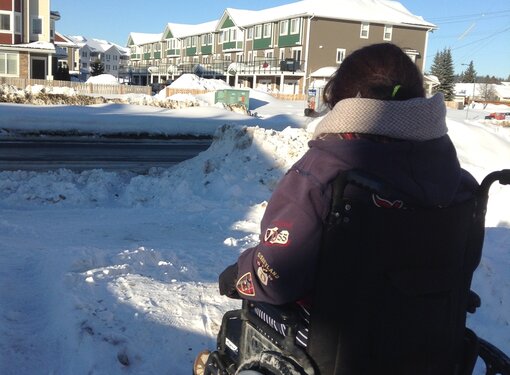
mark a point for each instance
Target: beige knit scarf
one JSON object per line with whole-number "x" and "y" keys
{"x": 417, "y": 119}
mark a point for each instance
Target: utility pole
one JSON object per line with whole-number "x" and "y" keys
{"x": 473, "y": 97}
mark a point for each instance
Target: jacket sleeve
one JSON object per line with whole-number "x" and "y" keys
{"x": 281, "y": 268}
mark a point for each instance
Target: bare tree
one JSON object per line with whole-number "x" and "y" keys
{"x": 488, "y": 92}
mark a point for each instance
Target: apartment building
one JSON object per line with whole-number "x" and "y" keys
{"x": 27, "y": 31}
{"x": 112, "y": 56}
{"x": 67, "y": 51}
{"x": 144, "y": 58}
{"x": 285, "y": 48}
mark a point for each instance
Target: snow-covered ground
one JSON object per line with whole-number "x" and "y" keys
{"x": 116, "y": 273}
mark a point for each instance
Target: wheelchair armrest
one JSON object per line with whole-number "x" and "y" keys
{"x": 473, "y": 302}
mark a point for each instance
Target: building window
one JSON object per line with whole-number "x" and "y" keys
{"x": 284, "y": 27}
{"x": 17, "y": 23}
{"x": 249, "y": 34}
{"x": 226, "y": 36}
{"x": 296, "y": 54}
{"x": 172, "y": 44}
{"x": 37, "y": 26}
{"x": 84, "y": 54}
{"x": 388, "y": 31}
{"x": 258, "y": 31}
{"x": 5, "y": 22}
{"x": 267, "y": 30}
{"x": 294, "y": 26}
{"x": 340, "y": 55}
{"x": 365, "y": 28}
{"x": 9, "y": 64}
{"x": 233, "y": 35}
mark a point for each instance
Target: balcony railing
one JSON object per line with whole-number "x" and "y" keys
{"x": 222, "y": 68}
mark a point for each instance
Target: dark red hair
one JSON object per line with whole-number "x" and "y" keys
{"x": 374, "y": 72}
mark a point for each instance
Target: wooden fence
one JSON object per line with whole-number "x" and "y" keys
{"x": 80, "y": 88}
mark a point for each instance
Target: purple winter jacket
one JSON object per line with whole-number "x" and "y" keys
{"x": 280, "y": 269}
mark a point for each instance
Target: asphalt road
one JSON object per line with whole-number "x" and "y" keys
{"x": 78, "y": 155}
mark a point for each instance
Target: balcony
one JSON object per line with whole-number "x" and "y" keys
{"x": 220, "y": 68}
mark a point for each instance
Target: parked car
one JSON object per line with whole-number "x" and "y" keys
{"x": 498, "y": 116}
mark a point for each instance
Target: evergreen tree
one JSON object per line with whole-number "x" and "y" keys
{"x": 469, "y": 75}
{"x": 442, "y": 68}
{"x": 97, "y": 68}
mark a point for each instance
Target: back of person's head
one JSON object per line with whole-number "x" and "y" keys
{"x": 379, "y": 71}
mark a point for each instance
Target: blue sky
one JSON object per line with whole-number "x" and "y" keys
{"x": 474, "y": 30}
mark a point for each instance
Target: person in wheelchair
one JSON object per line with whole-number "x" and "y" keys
{"x": 381, "y": 123}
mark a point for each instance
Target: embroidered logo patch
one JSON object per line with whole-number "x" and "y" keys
{"x": 245, "y": 285}
{"x": 384, "y": 203}
{"x": 262, "y": 275}
{"x": 269, "y": 272}
{"x": 276, "y": 236}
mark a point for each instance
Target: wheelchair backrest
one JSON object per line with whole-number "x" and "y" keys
{"x": 393, "y": 285}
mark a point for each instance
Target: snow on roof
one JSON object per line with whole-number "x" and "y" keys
{"x": 325, "y": 71}
{"x": 100, "y": 45}
{"x": 78, "y": 39}
{"x": 503, "y": 91}
{"x": 145, "y": 38}
{"x": 38, "y": 45}
{"x": 180, "y": 30}
{"x": 379, "y": 11}
{"x": 431, "y": 78}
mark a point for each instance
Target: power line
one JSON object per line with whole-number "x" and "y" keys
{"x": 483, "y": 39}
{"x": 467, "y": 17}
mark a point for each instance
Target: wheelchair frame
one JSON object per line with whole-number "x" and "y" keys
{"x": 251, "y": 342}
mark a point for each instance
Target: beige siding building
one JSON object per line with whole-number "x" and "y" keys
{"x": 284, "y": 49}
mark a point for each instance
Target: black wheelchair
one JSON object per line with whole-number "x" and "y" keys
{"x": 392, "y": 295}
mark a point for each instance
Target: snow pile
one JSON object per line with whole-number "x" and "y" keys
{"x": 45, "y": 95}
{"x": 192, "y": 81}
{"x": 250, "y": 152}
{"x": 104, "y": 79}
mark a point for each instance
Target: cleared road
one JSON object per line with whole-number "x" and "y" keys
{"x": 135, "y": 155}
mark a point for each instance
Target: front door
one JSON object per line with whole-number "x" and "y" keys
{"x": 38, "y": 69}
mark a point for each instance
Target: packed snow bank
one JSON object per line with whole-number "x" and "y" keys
{"x": 251, "y": 152}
